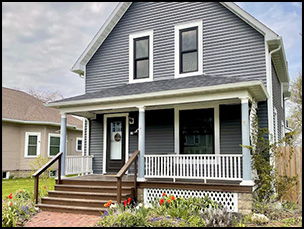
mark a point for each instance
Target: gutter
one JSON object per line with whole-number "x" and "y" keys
{"x": 38, "y": 123}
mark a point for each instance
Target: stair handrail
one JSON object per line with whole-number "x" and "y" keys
{"x": 42, "y": 169}
{"x": 121, "y": 173}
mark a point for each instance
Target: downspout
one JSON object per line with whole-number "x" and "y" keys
{"x": 272, "y": 159}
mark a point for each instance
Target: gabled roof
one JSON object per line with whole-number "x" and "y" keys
{"x": 20, "y": 107}
{"x": 270, "y": 36}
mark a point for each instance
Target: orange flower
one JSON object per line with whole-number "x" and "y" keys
{"x": 172, "y": 198}
{"x": 11, "y": 203}
{"x": 20, "y": 191}
{"x": 108, "y": 204}
{"x": 164, "y": 194}
{"x": 169, "y": 201}
{"x": 125, "y": 203}
{"x": 10, "y": 196}
{"x": 44, "y": 187}
{"x": 129, "y": 200}
{"x": 161, "y": 201}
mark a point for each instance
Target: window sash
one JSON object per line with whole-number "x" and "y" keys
{"x": 181, "y": 52}
{"x": 79, "y": 145}
{"x": 136, "y": 60}
{"x": 32, "y": 146}
{"x": 53, "y": 147}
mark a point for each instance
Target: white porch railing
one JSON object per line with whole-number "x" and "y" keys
{"x": 78, "y": 164}
{"x": 207, "y": 166}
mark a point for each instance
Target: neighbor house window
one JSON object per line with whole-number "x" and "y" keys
{"x": 141, "y": 57}
{"x": 32, "y": 144}
{"x": 188, "y": 49}
{"x": 54, "y": 144}
{"x": 78, "y": 144}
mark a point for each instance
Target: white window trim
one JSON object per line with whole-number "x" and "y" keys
{"x": 27, "y": 134}
{"x": 131, "y": 55}
{"x": 177, "y": 28}
{"x": 49, "y": 142}
{"x": 105, "y": 122}
{"x": 194, "y": 107}
{"x": 77, "y": 139}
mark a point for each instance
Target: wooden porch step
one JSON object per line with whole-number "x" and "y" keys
{"x": 75, "y": 202}
{"x": 86, "y": 195}
{"x": 95, "y": 182}
{"x": 71, "y": 209}
{"x": 90, "y": 188}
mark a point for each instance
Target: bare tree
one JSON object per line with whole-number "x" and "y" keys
{"x": 45, "y": 96}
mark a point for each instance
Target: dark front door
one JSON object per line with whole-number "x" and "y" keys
{"x": 115, "y": 144}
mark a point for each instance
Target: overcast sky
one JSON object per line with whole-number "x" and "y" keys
{"x": 42, "y": 40}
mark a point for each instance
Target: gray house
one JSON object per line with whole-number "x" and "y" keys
{"x": 179, "y": 82}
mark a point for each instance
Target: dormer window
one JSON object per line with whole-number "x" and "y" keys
{"x": 141, "y": 57}
{"x": 188, "y": 49}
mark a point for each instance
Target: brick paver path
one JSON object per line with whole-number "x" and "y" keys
{"x": 59, "y": 219}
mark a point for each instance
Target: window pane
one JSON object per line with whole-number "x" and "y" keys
{"x": 79, "y": 145}
{"x": 55, "y": 141}
{"x": 32, "y": 140}
{"x": 197, "y": 131}
{"x": 189, "y": 40}
{"x": 54, "y": 150}
{"x": 142, "y": 48}
{"x": 142, "y": 69}
{"x": 32, "y": 150}
{"x": 189, "y": 62}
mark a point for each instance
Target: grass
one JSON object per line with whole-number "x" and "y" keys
{"x": 12, "y": 185}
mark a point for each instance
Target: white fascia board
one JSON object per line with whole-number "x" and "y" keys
{"x": 38, "y": 123}
{"x": 98, "y": 39}
{"x": 256, "y": 24}
{"x": 208, "y": 89}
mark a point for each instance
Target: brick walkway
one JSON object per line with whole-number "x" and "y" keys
{"x": 59, "y": 219}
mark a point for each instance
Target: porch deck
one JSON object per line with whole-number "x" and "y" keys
{"x": 190, "y": 184}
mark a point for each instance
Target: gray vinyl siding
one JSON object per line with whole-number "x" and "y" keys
{"x": 231, "y": 48}
{"x": 276, "y": 92}
{"x": 230, "y": 129}
{"x": 96, "y": 143}
{"x": 262, "y": 114}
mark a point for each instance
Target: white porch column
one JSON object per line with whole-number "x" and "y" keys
{"x": 63, "y": 142}
{"x": 247, "y": 180}
{"x": 141, "y": 143}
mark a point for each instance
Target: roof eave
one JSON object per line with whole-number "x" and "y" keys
{"x": 245, "y": 85}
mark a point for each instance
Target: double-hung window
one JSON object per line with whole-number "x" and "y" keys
{"x": 141, "y": 57}
{"x": 32, "y": 144}
{"x": 78, "y": 144}
{"x": 188, "y": 49}
{"x": 54, "y": 144}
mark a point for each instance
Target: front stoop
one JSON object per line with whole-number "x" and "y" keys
{"x": 83, "y": 196}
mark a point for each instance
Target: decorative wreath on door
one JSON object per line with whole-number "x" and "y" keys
{"x": 117, "y": 137}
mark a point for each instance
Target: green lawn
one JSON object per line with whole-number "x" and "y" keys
{"x": 13, "y": 185}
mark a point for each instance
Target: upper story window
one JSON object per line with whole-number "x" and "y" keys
{"x": 141, "y": 57}
{"x": 188, "y": 49}
{"x": 32, "y": 144}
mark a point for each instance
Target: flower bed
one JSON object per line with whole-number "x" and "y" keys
{"x": 169, "y": 211}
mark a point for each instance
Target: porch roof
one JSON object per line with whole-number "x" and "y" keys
{"x": 191, "y": 84}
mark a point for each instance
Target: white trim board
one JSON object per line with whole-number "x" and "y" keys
{"x": 105, "y": 122}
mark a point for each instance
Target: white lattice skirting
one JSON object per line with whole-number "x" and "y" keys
{"x": 228, "y": 199}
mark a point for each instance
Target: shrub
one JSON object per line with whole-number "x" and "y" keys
{"x": 259, "y": 218}
{"x": 217, "y": 217}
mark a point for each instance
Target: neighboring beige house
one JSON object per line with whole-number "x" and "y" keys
{"x": 30, "y": 129}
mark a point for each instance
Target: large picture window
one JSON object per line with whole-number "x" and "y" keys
{"x": 197, "y": 131}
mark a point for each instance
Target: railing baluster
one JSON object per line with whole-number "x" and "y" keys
{"x": 230, "y": 167}
{"x": 220, "y": 166}
{"x": 239, "y": 167}
{"x": 158, "y": 166}
{"x": 234, "y": 168}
